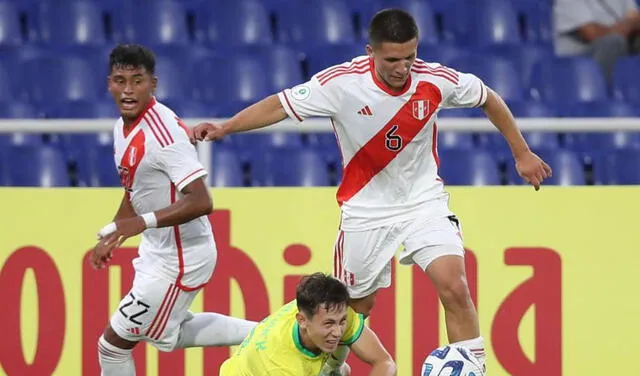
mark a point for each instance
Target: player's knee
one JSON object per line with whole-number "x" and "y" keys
{"x": 363, "y": 305}
{"x": 454, "y": 293}
{"x": 112, "y": 354}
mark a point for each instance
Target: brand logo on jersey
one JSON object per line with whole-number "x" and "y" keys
{"x": 132, "y": 155}
{"x": 365, "y": 111}
{"x": 300, "y": 92}
{"x": 420, "y": 109}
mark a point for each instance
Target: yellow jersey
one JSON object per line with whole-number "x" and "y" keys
{"x": 273, "y": 347}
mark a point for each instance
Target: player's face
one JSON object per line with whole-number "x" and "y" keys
{"x": 326, "y": 327}
{"x": 393, "y": 61}
{"x": 131, "y": 88}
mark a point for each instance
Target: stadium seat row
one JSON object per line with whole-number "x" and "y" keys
{"x": 307, "y": 23}
{"x": 290, "y": 160}
{"x": 220, "y": 85}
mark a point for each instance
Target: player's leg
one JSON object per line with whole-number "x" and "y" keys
{"x": 436, "y": 246}
{"x": 114, "y": 354}
{"x": 362, "y": 260}
{"x": 213, "y": 329}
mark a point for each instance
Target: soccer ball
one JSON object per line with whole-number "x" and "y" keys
{"x": 451, "y": 361}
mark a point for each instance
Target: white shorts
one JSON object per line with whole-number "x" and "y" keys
{"x": 362, "y": 259}
{"x": 152, "y": 311}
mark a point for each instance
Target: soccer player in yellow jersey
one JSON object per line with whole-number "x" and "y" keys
{"x": 298, "y": 339}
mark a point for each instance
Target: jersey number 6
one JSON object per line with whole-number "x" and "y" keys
{"x": 392, "y": 141}
{"x": 132, "y": 316}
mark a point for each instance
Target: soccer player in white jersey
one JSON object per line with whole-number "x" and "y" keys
{"x": 383, "y": 107}
{"x": 167, "y": 200}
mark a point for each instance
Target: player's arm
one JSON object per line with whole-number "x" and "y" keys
{"x": 529, "y": 166}
{"x": 125, "y": 210}
{"x": 196, "y": 202}
{"x": 266, "y": 112}
{"x": 500, "y": 115}
{"x": 297, "y": 103}
{"x": 369, "y": 349}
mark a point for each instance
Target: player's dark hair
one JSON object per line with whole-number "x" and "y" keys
{"x": 320, "y": 290}
{"x": 392, "y": 25}
{"x": 132, "y": 55}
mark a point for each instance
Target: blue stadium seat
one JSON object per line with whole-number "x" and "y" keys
{"x": 455, "y": 140}
{"x": 36, "y": 166}
{"x": 323, "y": 57}
{"x": 460, "y": 113}
{"x": 499, "y": 74}
{"x": 536, "y": 20}
{"x": 496, "y": 22}
{"x": 567, "y": 169}
{"x": 242, "y": 83}
{"x": 604, "y": 109}
{"x": 153, "y": 23}
{"x": 530, "y": 108}
{"x": 76, "y": 146}
{"x": 564, "y": 81}
{"x": 461, "y": 167}
{"x": 621, "y": 167}
{"x": 20, "y": 139}
{"x": 58, "y": 79}
{"x": 232, "y": 23}
{"x": 443, "y": 53}
{"x": 10, "y": 32}
{"x": 98, "y": 168}
{"x": 18, "y": 110}
{"x": 523, "y": 57}
{"x": 189, "y": 108}
{"x": 71, "y": 22}
{"x": 226, "y": 168}
{"x": 593, "y": 144}
{"x": 83, "y": 109}
{"x": 625, "y": 81}
{"x": 290, "y": 167}
{"x": 309, "y": 24}
{"x": 6, "y": 84}
{"x": 171, "y": 80}
{"x": 283, "y": 66}
{"x": 262, "y": 141}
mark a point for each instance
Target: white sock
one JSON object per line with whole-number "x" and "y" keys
{"x": 115, "y": 361}
{"x": 476, "y": 346}
{"x": 213, "y": 329}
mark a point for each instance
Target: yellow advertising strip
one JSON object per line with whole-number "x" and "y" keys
{"x": 554, "y": 274}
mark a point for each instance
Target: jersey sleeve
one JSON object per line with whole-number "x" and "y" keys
{"x": 470, "y": 91}
{"x": 355, "y": 325}
{"x": 309, "y": 99}
{"x": 180, "y": 162}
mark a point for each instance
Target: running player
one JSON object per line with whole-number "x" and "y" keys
{"x": 384, "y": 107}
{"x": 167, "y": 200}
{"x": 298, "y": 339}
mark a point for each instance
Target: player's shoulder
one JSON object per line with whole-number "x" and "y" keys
{"x": 345, "y": 73}
{"x": 436, "y": 72}
{"x": 165, "y": 126}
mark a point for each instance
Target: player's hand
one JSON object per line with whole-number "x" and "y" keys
{"x": 101, "y": 255}
{"x": 125, "y": 228}
{"x": 532, "y": 169}
{"x": 208, "y": 132}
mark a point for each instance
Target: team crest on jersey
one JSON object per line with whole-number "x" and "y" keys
{"x": 420, "y": 109}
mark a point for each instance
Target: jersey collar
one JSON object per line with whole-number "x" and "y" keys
{"x": 298, "y": 342}
{"x": 384, "y": 86}
{"x": 127, "y": 130}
